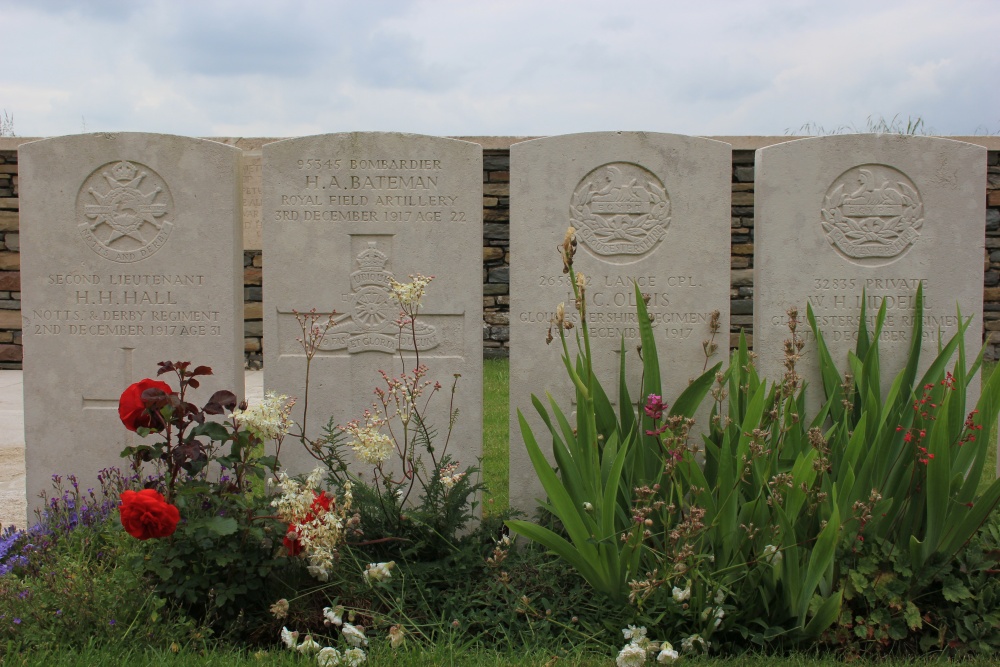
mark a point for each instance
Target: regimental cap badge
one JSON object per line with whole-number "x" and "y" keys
{"x": 872, "y": 213}
{"x": 124, "y": 211}
{"x": 371, "y": 325}
{"x": 620, "y": 208}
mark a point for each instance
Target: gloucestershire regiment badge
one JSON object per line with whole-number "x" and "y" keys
{"x": 872, "y": 211}
{"x": 620, "y": 208}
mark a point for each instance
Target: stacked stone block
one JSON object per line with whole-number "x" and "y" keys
{"x": 991, "y": 289}
{"x": 253, "y": 310}
{"x": 10, "y": 275}
{"x": 496, "y": 253}
{"x": 741, "y": 261}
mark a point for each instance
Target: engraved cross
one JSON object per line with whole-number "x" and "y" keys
{"x": 112, "y": 403}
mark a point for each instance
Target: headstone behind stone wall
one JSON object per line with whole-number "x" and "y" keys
{"x": 650, "y": 208}
{"x": 132, "y": 254}
{"x": 343, "y": 214}
{"x": 842, "y": 214}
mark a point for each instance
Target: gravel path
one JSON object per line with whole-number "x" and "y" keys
{"x": 12, "y": 501}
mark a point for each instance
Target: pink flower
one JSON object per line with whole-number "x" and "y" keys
{"x": 654, "y": 406}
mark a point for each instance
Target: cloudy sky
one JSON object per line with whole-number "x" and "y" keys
{"x": 497, "y": 67}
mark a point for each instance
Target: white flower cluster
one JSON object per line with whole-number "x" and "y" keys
{"x": 396, "y": 636}
{"x": 717, "y": 612}
{"x": 268, "y": 420}
{"x": 449, "y": 478}
{"x": 772, "y": 555}
{"x": 410, "y": 294}
{"x": 376, "y": 572}
{"x": 331, "y": 657}
{"x": 280, "y": 609}
{"x": 370, "y": 444}
{"x": 355, "y": 635}
{"x": 295, "y": 498}
{"x": 333, "y": 615}
{"x": 639, "y": 647}
{"x": 319, "y": 530}
{"x": 682, "y": 594}
{"x": 328, "y": 656}
{"x": 695, "y": 644}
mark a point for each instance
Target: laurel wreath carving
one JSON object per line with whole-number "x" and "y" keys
{"x": 622, "y": 227}
{"x": 873, "y": 229}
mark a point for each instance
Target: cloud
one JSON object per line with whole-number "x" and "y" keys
{"x": 512, "y": 67}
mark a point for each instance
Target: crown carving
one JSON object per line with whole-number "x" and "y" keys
{"x": 124, "y": 171}
{"x": 372, "y": 259}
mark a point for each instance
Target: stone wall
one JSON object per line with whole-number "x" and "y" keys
{"x": 496, "y": 248}
{"x": 741, "y": 256}
{"x": 496, "y": 252}
{"x": 10, "y": 265}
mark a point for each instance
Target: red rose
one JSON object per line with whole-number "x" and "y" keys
{"x": 132, "y": 409}
{"x": 147, "y": 514}
{"x": 321, "y": 503}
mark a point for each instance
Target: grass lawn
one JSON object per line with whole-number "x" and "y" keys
{"x": 438, "y": 655}
{"x": 990, "y": 468}
{"x": 496, "y": 380}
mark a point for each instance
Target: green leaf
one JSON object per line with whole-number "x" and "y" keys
{"x": 604, "y": 412}
{"x": 213, "y": 430}
{"x": 625, "y": 408}
{"x": 912, "y": 616}
{"x": 690, "y": 399}
{"x": 568, "y": 509}
{"x": 222, "y": 525}
{"x": 648, "y": 452}
{"x": 954, "y": 590}
{"x": 963, "y": 529}
{"x": 826, "y": 614}
{"x": 559, "y": 546}
{"x": 828, "y": 369}
{"x": 938, "y": 480}
{"x": 820, "y": 560}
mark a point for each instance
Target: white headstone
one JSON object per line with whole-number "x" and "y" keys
{"x": 648, "y": 208}
{"x": 132, "y": 254}
{"x": 835, "y": 216}
{"x": 343, "y": 214}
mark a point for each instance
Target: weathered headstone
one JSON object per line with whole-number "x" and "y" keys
{"x": 344, "y": 213}
{"x": 648, "y": 208}
{"x": 838, "y": 216}
{"x": 132, "y": 254}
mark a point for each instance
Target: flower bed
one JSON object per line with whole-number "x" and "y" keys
{"x": 862, "y": 529}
